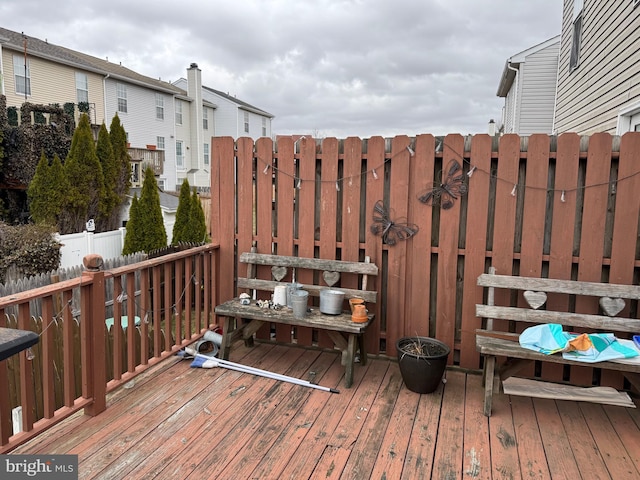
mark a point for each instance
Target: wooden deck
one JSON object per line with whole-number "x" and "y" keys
{"x": 178, "y": 422}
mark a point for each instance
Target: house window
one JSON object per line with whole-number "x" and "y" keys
{"x": 121, "y": 91}
{"x": 178, "y": 112}
{"x": 159, "y": 106}
{"x": 135, "y": 174}
{"x": 179, "y": 154}
{"x": 160, "y": 143}
{"x": 82, "y": 87}
{"x": 629, "y": 119}
{"x": 22, "y": 74}
{"x": 574, "y": 60}
{"x": 205, "y": 118}
{"x": 264, "y": 127}
{"x": 205, "y": 149}
{"x": 246, "y": 122}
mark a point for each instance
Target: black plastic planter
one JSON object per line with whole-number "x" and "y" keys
{"x": 422, "y": 362}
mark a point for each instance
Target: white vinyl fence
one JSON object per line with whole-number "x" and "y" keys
{"x": 76, "y": 245}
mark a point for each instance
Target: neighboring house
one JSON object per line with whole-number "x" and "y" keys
{"x": 145, "y": 107}
{"x": 204, "y": 113}
{"x": 233, "y": 117}
{"x": 528, "y": 85}
{"x": 35, "y": 71}
{"x": 169, "y": 127}
{"x": 599, "y": 67}
{"x": 168, "y": 207}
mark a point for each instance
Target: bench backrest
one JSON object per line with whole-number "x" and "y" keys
{"x": 329, "y": 274}
{"x": 612, "y": 299}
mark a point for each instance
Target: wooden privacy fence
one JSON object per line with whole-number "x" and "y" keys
{"x": 561, "y": 207}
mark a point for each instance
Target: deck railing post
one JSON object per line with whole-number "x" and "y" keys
{"x": 94, "y": 376}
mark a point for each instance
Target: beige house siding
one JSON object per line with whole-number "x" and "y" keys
{"x": 607, "y": 78}
{"x": 51, "y": 82}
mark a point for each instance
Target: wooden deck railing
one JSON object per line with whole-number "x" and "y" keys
{"x": 80, "y": 358}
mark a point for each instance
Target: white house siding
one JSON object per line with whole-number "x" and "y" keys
{"x": 183, "y": 133}
{"x": 607, "y": 78}
{"x": 51, "y": 82}
{"x": 537, "y": 91}
{"x": 141, "y": 124}
{"x": 510, "y": 112}
{"x": 255, "y": 124}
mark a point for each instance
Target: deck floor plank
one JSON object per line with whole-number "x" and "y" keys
{"x": 395, "y": 441}
{"x": 447, "y": 462}
{"x": 505, "y": 463}
{"x": 418, "y": 462}
{"x": 533, "y": 462}
{"x": 557, "y": 447}
{"x": 181, "y": 418}
{"x": 477, "y": 455}
{"x": 190, "y": 423}
{"x": 201, "y": 436}
{"x": 582, "y": 443}
{"x": 619, "y": 464}
{"x": 365, "y": 450}
{"x": 291, "y": 437}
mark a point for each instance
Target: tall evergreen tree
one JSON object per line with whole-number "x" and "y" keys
{"x": 182, "y": 215}
{"x": 86, "y": 183}
{"x": 111, "y": 201}
{"x": 122, "y": 159}
{"x": 47, "y": 191}
{"x": 151, "y": 223}
{"x": 133, "y": 237}
{"x": 196, "y": 231}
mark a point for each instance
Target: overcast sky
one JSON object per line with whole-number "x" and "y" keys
{"x": 323, "y": 67}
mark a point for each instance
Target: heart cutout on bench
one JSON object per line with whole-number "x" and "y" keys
{"x": 331, "y": 278}
{"x": 278, "y": 272}
{"x": 535, "y": 299}
{"x": 612, "y": 306}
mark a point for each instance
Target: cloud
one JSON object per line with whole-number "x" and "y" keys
{"x": 336, "y": 67}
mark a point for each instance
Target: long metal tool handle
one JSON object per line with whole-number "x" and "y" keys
{"x": 263, "y": 373}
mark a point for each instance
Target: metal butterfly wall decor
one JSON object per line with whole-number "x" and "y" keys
{"x": 451, "y": 187}
{"x": 389, "y": 230}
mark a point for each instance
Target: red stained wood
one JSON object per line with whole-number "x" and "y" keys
{"x": 306, "y": 217}
{"x": 222, "y": 217}
{"x": 453, "y": 150}
{"x": 447, "y": 462}
{"x": 397, "y": 308}
{"x": 503, "y": 441}
{"x": 329, "y": 179}
{"x": 620, "y": 464}
{"x": 505, "y": 213}
{"x": 373, "y": 244}
{"x": 395, "y": 441}
{"x": 477, "y": 453}
{"x": 562, "y": 227}
{"x": 181, "y": 422}
{"x": 593, "y": 230}
{"x": 419, "y": 247}
{"x": 581, "y": 440}
{"x": 533, "y": 462}
{"x": 475, "y": 244}
{"x": 555, "y": 440}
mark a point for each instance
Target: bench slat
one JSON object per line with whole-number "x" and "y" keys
{"x": 363, "y": 268}
{"x": 610, "y": 324}
{"x": 313, "y": 319}
{"x": 571, "y": 287}
{"x": 487, "y": 345}
{"x": 314, "y": 290}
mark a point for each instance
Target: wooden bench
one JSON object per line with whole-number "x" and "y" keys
{"x": 243, "y": 321}
{"x": 492, "y": 343}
